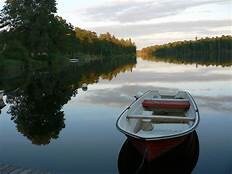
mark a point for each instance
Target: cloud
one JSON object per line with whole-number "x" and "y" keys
{"x": 148, "y": 77}
{"x": 159, "y": 33}
{"x": 134, "y": 11}
{"x": 118, "y": 97}
{"x": 218, "y": 103}
{"x": 123, "y": 96}
{"x": 136, "y": 30}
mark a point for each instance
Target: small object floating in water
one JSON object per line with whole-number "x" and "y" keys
{"x": 159, "y": 119}
{"x": 84, "y": 87}
{"x": 76, "y": 60}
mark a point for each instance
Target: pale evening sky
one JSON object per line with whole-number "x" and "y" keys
{"x": 150, "y": 22}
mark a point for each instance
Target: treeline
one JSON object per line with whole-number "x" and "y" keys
{"x": 31, "y": 29}
{"x": 216, "y": 50}
{"x": 104, "y": 44}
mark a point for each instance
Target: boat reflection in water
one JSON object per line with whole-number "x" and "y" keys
{"x": 181, "y": 159}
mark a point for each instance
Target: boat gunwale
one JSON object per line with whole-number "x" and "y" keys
{"x": 193, "y": 127}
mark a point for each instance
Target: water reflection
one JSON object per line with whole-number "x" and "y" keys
{"x": 2, "y": 104}
{"x": 181, "y": 159}
{"x": 36, "y": 108}
{"x": 122, "y": 96}
{"x": 93, "y": 113}
{"x": 36, "y": 104}
{"x": 223, "y": 59}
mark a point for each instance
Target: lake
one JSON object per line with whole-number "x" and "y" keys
{"x": 52, "y": 122}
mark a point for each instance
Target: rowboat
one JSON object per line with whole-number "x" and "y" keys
{"x": 158, "y": 121}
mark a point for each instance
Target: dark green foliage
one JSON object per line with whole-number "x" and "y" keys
{"x": 104, "y": 44}
{"x": 30, "y": 32}
{"x": 31, "y": 113}
{"x": 216, "y": 50}
{"x": 16, "y": 50}
{"x": 32, "y": 23}
{"x": 32, "y": 27}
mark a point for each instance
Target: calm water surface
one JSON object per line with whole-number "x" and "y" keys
{"x": 74, "y": 131}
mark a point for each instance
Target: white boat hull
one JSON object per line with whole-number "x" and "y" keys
{"x": 140, "y": 123}
{"x": 152, "y": 130}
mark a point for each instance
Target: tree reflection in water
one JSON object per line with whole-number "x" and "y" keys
{"x": 225, "y": 60}
{"x": 36, "y": 106}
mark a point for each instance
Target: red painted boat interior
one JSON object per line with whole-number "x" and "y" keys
{"x": 166, "y": 104}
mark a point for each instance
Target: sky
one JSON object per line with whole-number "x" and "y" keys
{"x": 150, "y": 22}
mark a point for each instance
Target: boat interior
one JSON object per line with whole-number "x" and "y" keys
{"x": 160, "y": 120}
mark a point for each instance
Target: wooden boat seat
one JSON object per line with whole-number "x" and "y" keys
{"x": 162, "y": 119}
{"x": 145, "y": 121}
{"x": 181, "y": 104}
